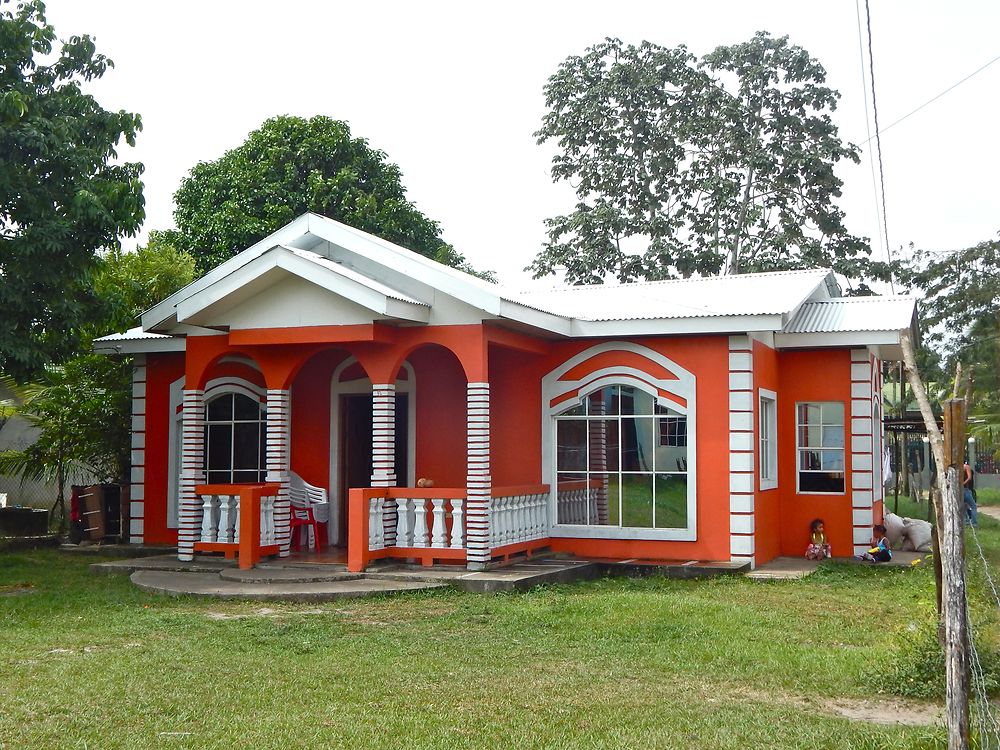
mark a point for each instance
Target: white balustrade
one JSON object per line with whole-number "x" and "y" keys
{"x": 220, "y": 519}
{"x": 518, "y": 518}
{"x": 572, "y": 505}
{"x": 419, "y": 523}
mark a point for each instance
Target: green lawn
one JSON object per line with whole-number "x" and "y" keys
{"x": 90, "y": 662}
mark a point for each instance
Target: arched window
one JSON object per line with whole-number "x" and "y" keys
{"x": 630, "y": 454}
{"x": 235, "y": 439}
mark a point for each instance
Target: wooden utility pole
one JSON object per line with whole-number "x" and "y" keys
{"x": 949, "y": 452}
{"x": 956, "y": 626}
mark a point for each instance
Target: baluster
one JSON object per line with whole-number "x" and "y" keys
{"x": 236, "y": 518}
{"x": 225, "y": 520}
{"x": 374, "y": 523}
{"x": 529, "y": 517}
{"x": 404, "y": 534}
{"x": 457, "y": 524}
{"x": 420, "y": 522}
{"x": 522, "y": 519}
{"x": 501, "y": 519}
{"x": 208, "y": 528}
{"x": 267, "y": 531}
{"x": 439, "y": 532}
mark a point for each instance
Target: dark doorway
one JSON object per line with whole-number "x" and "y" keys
{"x": 356, "y": 447}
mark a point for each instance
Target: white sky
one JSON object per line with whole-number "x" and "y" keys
{"x": 452, "y": 92}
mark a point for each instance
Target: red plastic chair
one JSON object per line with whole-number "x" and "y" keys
{"x": 302, "y": 516}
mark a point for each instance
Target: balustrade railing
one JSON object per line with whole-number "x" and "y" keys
{"x": 581, "y": 502}
{"x": 518, "y": 514}
{"x": 436, "y": 522}
{"x": 238, "y": 519}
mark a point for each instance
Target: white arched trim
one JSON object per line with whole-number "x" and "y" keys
{"x": 219, "y": 386}
{"x": 682, "y": 385}
{"x": 340, "y": 388}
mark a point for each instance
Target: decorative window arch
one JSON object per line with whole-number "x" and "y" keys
{"x": 235, "y": 432}
{"x": 619, "y": 445}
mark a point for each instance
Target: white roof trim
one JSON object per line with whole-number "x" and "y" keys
{"x": 137, "y": 341}
{"x": 355, "y": 287}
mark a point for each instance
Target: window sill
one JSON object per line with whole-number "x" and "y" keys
{"x": 569, "y": 531}
{"x": 765, "y": 486}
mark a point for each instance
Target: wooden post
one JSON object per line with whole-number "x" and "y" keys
{"x": 952, "y": 553}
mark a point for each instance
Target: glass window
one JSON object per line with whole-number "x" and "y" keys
{"x": 623, "y": 462}
{"x": 768, "y": 442}
{"x": 819, "y": 431}
{"x": 235, "y": 440}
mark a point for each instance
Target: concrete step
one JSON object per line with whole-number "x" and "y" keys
{"x": 269, "y": 574}
{"x": 211, "y": 584}
{"x": 168, "y": 563}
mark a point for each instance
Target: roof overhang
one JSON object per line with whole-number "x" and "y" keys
{"x": 136, "y": 342}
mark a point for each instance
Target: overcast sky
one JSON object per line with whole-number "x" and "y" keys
{"x": 452, "y": 92}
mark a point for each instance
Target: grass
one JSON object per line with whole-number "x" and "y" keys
{"x": 91, "y": 662}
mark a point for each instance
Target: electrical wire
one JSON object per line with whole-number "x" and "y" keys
{"x": 868, "y": 130}
{"x": 878, "y": 144}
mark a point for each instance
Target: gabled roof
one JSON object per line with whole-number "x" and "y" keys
{"x": 853, "y": 314}
{"x": 396, "y": 284}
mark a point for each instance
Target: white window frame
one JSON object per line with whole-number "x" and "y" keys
{"x": 799, "y": 449}
{"x": 768, "y": 438}
{"x": 232, "y": 385}
{"x": 683, "y": 385}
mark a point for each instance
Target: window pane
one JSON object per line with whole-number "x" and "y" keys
{"x": 809, "y": 414}
{"x": 573, "y": 411}
{"x": 809, "y": 460}
{"x": 571, "y": 444}
{"x": 246, "y": 445}
{"x": 810, "y": 437}
{"x": 219, "y": 442}
{"x": 637, "y": 444}
{"x": 635, "y": 401}
{"x": 603, "y": 401}
{"x": 221, "y": 409}
{"x": 833, "y": 413}
{"x": 833, "y": 437}
{"x": 637, "y": 500}
{"x": 571, "y": 498}
{"x": 604, "y": 491}
{"x": 671, "y": 501}
{"x": 821, "y": 482}
{"x": 603, "y": 444}
{"x": 246, "y": 408}
{"x": 245, "y": 477}
{"x": 219, "y": 477}
{"x": 832, "y": 460}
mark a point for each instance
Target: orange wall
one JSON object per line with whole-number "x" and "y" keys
{"x": 161, "y": 371}
{"x": 311, "y": 417}
{"x": 441, "y": 417}
{"x": 812, "y": 375}
{"x": 767, "y": 505}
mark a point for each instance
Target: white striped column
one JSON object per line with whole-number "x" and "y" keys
{"x": 192, "y": 471}
{"x": 598, "y": 445}
{"x": 478, "y": 481}
{"x": 137, "y": 478}
{"x": 862, "y": 446}
{"x": 278, "y": 463}
{"x": 384, "y": 451}
{"x": 742, "y": 546}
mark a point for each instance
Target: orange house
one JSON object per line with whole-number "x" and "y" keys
{"x": 702, "y": 419}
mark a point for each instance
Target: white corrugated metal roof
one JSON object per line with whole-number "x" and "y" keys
{"x": 774, "y": 293}
{"x": 133, "y": 334}
{"x": 843, "y": 314}
{"x": 360, "y": 278}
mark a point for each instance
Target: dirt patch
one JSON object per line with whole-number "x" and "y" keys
{"x": 261, "y": 612}
{"x": 17, "y": 589}
{"x": 885, "y": 711}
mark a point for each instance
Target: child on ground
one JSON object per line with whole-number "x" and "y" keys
{"x": 819, "y": 548}
{"x": 879, "y": 551}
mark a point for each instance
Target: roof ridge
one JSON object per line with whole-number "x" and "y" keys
{"x": 867, "y": 298}
{"x": 663, "y": 282}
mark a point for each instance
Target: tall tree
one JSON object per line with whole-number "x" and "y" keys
{"x": 683, "y": 167}
{"x": 285, "y": 168}
{"x": 63, "y": 194}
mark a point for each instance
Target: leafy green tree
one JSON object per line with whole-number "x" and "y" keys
{"x": 81, "y": 410}
{"x": 129, "y": 283}
{"x": 683, "y": 167}
{"x": 63, "y": 194}
{"x": 285, "y": 168}
{"x": 961, "y": 313}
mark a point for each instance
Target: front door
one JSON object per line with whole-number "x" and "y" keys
{"x": 356, "y": 447}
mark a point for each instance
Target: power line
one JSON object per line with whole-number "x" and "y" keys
{"x": 929, "y": 101}
{"x": 878, "y": 143}
{"x": 868, "y": 130}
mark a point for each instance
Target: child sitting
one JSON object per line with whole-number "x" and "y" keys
{"x": 819, "y": 548}
{"x": 879, "y": 551}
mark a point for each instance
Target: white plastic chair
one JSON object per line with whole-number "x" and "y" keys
{"x": 314, "y": 502}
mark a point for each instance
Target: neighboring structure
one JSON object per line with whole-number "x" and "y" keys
{"x": 703, "y": 419}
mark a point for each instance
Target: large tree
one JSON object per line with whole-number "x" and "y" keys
{"x": 286, "y": 167}
{"x": 63, "y": 195}
{"x": 683, "y": 167}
